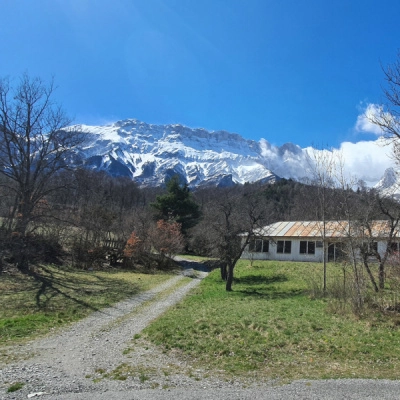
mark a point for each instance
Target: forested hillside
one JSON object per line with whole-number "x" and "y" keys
{"x": 93, "y": 213}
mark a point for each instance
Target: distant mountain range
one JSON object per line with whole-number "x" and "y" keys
{"x": 150, "y": 154}
{"x": 389, "y": 185}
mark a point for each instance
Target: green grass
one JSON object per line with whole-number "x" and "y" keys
{"x": 34, "y": 306}
{"x": 269, "y": 327}
{"x": 15, "y": 386}
{"x": 123, "y": 371}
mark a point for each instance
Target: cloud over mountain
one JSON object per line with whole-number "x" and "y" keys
{"x": 150, "y": 154}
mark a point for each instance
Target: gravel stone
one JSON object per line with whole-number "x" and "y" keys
{"x": 73, "y": 364}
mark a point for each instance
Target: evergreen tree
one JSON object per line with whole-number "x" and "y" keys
{"x": 177, "y": 205}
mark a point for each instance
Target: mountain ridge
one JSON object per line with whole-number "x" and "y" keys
{"x": 151, "y": 153}
{"x": 389, "y": 185}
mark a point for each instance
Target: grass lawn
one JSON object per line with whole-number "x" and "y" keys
{"x": 269, "y": 327}
{"x": 31, "y": 307}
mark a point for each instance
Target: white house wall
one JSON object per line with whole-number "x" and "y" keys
{"x": 382, "y": 248}
{"x": 335, "y": 232}
{"x": 294, "y": 255}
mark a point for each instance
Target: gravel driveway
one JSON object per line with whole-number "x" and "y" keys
{"x": 92, "y": 358}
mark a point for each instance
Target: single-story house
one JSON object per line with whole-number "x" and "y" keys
{"x": 304, "y": 240}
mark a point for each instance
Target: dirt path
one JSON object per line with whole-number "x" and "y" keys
{"x": 97, "y": 359}
{"x": 78, "y": 358}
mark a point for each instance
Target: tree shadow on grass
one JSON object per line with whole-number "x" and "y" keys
{"x": 263, "y": 286}
{"x": 260, "y": 280}
{"x": 49, "y": 289}
{"x": 70, "y": 288}
{"x": 271, "y": 294}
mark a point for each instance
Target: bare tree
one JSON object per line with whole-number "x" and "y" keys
{"x": 322, "y": 165}
{"x": 387, "y": 115}
{"x": 389, "y": 230}
{"x": 230, "y": 219}
{"x": 35, "y": 146}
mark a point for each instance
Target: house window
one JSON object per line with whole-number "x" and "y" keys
{"x": 284, "y": 246}
{"x": 394, "y": 247}
{"x": 259, "y": 246}
{"x": 307, "y": 247}
{"x": 370, "y": 248}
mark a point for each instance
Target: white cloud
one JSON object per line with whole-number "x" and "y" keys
{"x": 364, "y": 123}
{"x": 364, "y": 160}
{"x": 367, "y": 160}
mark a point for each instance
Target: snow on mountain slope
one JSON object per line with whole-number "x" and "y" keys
{"x": 389, "y": 185}
{"x": 150, "y": 154}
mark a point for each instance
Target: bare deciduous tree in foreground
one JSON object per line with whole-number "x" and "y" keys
{"x": 229, "y": 222}
{"x": 34, "y": 147}
{"x": 387, "y": 116}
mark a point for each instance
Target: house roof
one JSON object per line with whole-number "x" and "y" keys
{"x": 333, "y": 229}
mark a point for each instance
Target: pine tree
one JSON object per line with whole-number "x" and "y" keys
{"x": 177, "y": 205}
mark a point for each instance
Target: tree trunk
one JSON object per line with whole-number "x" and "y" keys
{"x": 20, "y": 245}
{"x": 371, "y": 277}
{"x": 223, "y": 271}
{"x": 19, "y": 252}
{"x": 324, "y": 249}
{"x": 382, "y": 262}
{"x": 11, "y": 217}
{"x": 229, "y": 278}
{"x": 381, "y": 275}
{"x": 357, "y": 281}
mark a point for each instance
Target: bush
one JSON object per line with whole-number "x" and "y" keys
{"x": 86, "y": 256}
{"x": 37, "y": 248}
{"x": 44, "y": 249}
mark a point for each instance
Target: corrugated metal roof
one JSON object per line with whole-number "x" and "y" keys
{"x": 315, "y": 229}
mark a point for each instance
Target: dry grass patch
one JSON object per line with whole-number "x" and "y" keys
{"x": 35, "y": 305}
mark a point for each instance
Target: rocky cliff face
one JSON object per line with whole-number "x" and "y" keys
{"x": 149, "y": 154}
{"x": 389, "y": 185}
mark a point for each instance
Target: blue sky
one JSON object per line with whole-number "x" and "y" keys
{"x": 297, "y": 71}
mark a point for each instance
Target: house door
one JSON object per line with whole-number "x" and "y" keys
{"x": 335, "y": 251}
{"x": 331, "y": 252}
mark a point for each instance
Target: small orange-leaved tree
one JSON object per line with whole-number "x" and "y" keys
{"x": 167, "y": 238}
{"x": 132, "y": 245}
{"x": 132, "y": 249}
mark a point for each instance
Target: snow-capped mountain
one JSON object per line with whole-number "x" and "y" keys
{"x": 150, "y": 154}
{"x": 389, "y": 185}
